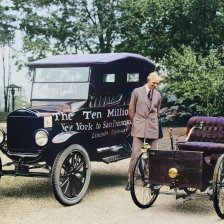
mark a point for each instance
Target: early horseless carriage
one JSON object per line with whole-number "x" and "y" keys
{"x": 193, "y": 169}
{"x": 78, "y": 114}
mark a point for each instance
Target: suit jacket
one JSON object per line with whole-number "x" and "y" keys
{"x": 144, "y": 112}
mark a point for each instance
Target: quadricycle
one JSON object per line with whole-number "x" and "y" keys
{"x": 194, "y": 167}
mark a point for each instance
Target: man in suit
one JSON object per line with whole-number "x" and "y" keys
{"x": 144, "y": 108}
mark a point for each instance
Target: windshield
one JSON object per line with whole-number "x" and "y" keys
{"x": 61, "y": 83}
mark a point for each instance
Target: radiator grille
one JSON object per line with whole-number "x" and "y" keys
{"x": 21, "y": 133}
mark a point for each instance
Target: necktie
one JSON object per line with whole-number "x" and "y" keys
{"x": 149, "y": 94}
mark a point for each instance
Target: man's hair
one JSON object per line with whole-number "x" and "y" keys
{"x": 154, "y": 75}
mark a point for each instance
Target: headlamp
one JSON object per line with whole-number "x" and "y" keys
{"x": 41, "y": 137}
{"x": 173, "y": 172}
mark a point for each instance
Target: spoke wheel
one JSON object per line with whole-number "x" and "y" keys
{"x": 71, "y": 175}
{"x": 218, "y": 187}
{"x": 142, "y": 193}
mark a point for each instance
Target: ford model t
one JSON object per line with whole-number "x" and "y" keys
{"x": 78, "y": 114}
{"x": 194, "y": 168}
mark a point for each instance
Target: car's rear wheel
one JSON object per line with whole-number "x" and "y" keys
{"x": 143, "y": 194}
{"x": 71, "y": 175}
{"x": 218, "y": 187}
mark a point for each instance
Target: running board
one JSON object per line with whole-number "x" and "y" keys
{"x": 115, "y": 158}
{"x": 29, "y": 174}
{"x": 114, "y": 148}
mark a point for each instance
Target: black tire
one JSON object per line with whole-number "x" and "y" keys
{"x": 71, "y": 174}
{"x": 142, "y": 193}
{"x": 218, "y": 187}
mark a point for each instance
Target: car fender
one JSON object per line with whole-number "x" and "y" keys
{"x": 64, "y": 136}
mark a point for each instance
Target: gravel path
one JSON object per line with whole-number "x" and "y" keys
{"x": 30, "y": 200}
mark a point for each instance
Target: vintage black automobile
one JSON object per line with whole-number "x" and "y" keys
{"x": 78, "y": 114}
{"x": 194, "y": 168}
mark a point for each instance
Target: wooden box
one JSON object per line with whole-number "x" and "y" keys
{"x": 192, "y": 169}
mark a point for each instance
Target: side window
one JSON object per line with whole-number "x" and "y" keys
{"x": 108, "y": 78}
{"x": 132, "y": 77}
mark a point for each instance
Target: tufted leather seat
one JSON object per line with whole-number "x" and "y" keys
{"x": 209, "y": 137}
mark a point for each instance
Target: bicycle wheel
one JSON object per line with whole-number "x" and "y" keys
{"x": 218, "y": 187}
{"x": 143, "y": 194}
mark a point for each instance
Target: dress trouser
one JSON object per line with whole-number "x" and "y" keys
{"x": 136, "y": 151}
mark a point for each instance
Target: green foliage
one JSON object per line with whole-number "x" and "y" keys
{"x": 7, "y": 25}
{"x": 160, "y": 29}
{"x": 67, "y": 26}
{"x": 149, "y": 27}
{"x": 195, "y": 82}
{"x": 7, "y": 35}
{"x": 154, "y": 27}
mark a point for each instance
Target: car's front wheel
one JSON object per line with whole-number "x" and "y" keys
{"x": 71, "y": 175}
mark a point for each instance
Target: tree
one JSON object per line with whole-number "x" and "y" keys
{"x": 149, "y": 27}
{"x": 155, "y": 27}
{"x": 7, "y": 33}
{"x": 67, "y": 26}
{"x": 142, "y": 27}
{"x": 194, "y": 84}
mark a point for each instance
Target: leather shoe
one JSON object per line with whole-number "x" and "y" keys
{"x": 146, "y": 183}
{"x": 128, "y": 187}
{"x": 209, "y": 191}
{"x": 156, "y": 188}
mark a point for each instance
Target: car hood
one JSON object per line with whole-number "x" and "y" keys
{"x": 52, "y": 107}
{"x": 41, "y": 111}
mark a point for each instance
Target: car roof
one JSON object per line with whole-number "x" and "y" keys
{"x": 89, "y": 59}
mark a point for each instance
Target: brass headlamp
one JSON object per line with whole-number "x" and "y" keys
{"x": 173, "y": 172}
